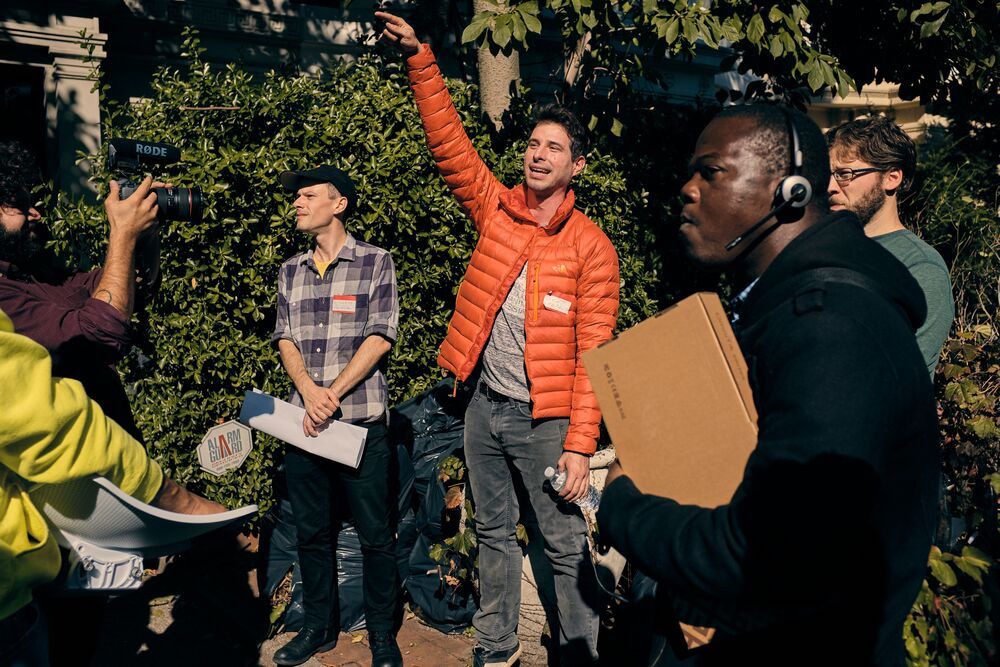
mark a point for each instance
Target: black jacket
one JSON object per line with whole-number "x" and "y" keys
{"x": 822, "y": 550}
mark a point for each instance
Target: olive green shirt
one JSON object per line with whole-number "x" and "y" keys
{"x": 931, "y": 273}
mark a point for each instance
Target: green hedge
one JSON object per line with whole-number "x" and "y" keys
{"x": 209, "y": 325}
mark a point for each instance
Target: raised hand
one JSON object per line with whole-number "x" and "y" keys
{"x": 399, "y": 33}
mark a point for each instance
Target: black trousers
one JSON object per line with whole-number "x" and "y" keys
{"x": 322, "y": 493}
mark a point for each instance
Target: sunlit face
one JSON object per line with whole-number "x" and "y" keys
{"x": 864, "y": 195}
{"x": 317, "y": 206}
{"x": 728, "y": 191}
{"x": 548, "y": 160}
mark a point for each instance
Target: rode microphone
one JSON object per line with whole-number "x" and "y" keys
{"x": 794, "y": 190}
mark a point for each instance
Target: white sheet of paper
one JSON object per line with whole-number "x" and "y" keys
{"x": 337, "y": 441}
{"x": 98, "y": 512}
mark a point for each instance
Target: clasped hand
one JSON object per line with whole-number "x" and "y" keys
{"x": 321, "y": 403}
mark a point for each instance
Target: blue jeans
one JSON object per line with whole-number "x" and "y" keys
{"x": 502, "y": 442}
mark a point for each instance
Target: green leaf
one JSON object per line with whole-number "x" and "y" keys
{"x": 670, "y": 32}
{"x": 775, "y": 15}
{"x": 474, "y": 29}
{"x": 502, "y": 31}
{"x": 815, "y": 78}
{"x": 983, "y": 426}
{"x": 932, "y": 27}
{"x": 974, "y": 563}
{"x": 776, "y": 47}
{"x": 755, "y": 29}
{"x": 532, "y": 23}
{"x": 943, "y": 573}
{"x": 518, "y": 27}
{"x": 617, "y": 127}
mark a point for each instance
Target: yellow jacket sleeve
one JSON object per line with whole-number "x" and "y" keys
{"x": 51, "y": 432}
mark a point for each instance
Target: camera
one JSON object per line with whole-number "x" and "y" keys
{"x": 129, "y": 156}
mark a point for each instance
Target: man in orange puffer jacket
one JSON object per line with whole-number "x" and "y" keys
{"x": 541, "y": 289}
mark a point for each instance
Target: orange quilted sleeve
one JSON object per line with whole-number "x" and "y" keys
{"x": 468, "y": 177}
{"x": 597, "y": 314}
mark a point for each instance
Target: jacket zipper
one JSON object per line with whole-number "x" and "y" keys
{"x": 534, "y": 284}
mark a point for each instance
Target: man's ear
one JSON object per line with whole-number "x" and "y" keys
{"x": 579, "y": 164}
{"x": 342, "y": 204}
{"x": 892, "y": 180}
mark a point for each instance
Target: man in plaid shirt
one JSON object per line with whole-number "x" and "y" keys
{"x": 337, "y": 317}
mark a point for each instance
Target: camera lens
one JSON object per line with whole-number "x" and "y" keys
{"x": 179, "y": 203}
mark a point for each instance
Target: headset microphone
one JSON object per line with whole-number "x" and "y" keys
{"x": 770, "y": 214}
{"x": 794, "y": 190}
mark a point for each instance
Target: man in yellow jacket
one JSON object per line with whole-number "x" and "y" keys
{"x": 50, "y": 432}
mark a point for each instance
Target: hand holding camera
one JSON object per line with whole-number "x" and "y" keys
{"x": 130, "y": 217}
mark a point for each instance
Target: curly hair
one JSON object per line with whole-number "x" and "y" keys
{"x": 19, "y": 174}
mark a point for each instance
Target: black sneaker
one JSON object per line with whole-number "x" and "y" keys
{"x": 385, "y": 651}
{"x": 304, "y": 645}
{"x": 483, "y": 658}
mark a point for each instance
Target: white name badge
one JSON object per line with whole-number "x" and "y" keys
{"x": 344, "y": 304}
{"x": 558, "y": 304}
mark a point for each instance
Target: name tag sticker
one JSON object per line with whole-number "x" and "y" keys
{"x": 558, "y": 304}
{"x": 344, "y": 304}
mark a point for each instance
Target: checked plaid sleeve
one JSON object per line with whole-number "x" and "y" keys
{"x": 383, "y": 300}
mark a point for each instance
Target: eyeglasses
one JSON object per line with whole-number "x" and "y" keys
{"x": 846, "y": 175}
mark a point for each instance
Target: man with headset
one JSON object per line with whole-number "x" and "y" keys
{"x": 822, "y": 549}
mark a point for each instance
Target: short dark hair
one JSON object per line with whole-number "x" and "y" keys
{"x": 878, "y": 141}
{"x": 560, "y": 115}
{"x": 773, "y": 143}
{"x": 19, "y": 174}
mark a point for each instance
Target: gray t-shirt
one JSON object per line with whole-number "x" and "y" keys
{"x": 503, "y": 359}
{"x": 931, "y": 273}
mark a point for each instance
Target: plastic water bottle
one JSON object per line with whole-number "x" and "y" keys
{"x": 590, "y": 500}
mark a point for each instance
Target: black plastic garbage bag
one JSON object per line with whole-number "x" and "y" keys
{"x": 350, "y": 588}
{"x": 441, "y": 606}
{"x": 430, "y": 426}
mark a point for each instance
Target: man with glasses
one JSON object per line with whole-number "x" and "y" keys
{"x": 872, "y": 161}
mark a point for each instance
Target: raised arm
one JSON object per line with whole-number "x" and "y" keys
{"x": 467, "y": 176}
{"x": 128, "y": 219}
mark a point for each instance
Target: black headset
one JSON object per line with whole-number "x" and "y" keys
{"x": 794, "y": 190}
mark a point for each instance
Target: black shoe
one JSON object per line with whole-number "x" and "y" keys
{"x": 483, "y": 658}
{"x": 304, "y": 645}
{"x": 385, "y": 651}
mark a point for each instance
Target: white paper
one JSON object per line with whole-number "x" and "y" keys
{"x": 558, "y": 304}
{"x": 337, "y": 441}
{"x": 98, "y": 512}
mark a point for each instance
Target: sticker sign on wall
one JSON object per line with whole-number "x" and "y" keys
{"x": 225, "y": 447}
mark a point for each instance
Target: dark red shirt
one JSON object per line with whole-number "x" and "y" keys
{"x": 85, "y": 336}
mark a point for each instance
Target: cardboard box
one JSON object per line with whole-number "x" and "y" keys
{"x": 676, "y": 401}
